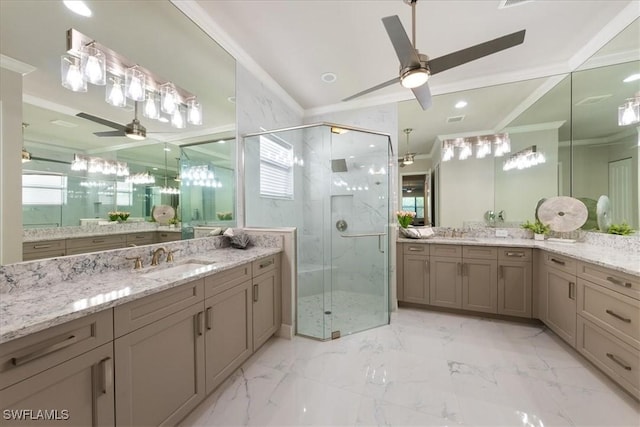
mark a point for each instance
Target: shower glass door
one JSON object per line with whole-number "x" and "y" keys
{"x": 359, "y": 194}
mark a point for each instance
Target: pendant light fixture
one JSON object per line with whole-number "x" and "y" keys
{"x": 408, "y": 158}
{"x": 71, "y": 75}
{"x": 629, "y": 112}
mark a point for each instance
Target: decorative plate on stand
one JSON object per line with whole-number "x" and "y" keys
{"x": 163, "y": 214}
{"x": 563, "y": 214}
{"x": 603, "y": 213}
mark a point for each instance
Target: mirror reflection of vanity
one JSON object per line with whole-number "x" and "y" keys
{"x": 56, "y": 199}
{"x": 571, "y": 118}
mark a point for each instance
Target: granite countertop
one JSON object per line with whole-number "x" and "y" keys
{"x": 624, "y": 262}
{"x": 40, "y": 307}
{"x": 107, "y": 230}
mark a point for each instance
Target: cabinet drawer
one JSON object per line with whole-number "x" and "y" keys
{"x": 410, "y": 248}
{"x": 479, "y": 252}
{"x": 90, "y": 242}
{"x": 560, "y": 262}
{"x": 141, "y": 238}
{"x": 610, "y": 310}
{"x": 515, "y": 254}
{"x": 135, "y": 314}
{"x": 25, "y": 357}
{"x": 614, "y": 280}
{"x": 446, "y": 250}
{"x": 94, "y": 248}
{"x": 44, "y": 246}
{"x": 227, "y": 279}
{"x": 616, "y": 358}
{"x": 265, "y": 264}
{"x": 44, "y": 254}
{"x": 169, "y": 236}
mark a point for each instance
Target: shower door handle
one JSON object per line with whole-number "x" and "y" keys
{"x": 380, "y": 235}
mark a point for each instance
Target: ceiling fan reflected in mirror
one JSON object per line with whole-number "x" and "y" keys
{"x": 408, "y": 158}
{"x": 416, "y": 68}
{"x": 133, "y": 130}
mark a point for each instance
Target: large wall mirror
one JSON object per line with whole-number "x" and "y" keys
{"x": 160, "y": 38}
{"x": 571, "y": 119}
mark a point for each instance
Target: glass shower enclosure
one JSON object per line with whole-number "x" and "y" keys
{"x": 331, "y": 182}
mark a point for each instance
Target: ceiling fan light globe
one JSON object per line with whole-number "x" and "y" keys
{"x": 413, "y": 78}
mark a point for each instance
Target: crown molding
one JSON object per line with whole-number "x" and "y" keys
{"x": 14, "y": 65}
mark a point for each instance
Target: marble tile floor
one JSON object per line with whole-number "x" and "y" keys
{"x": 424, "y": 369}
{"x": 350, "y": 311}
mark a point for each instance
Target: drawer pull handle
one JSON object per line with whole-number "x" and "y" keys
{"x": 501, "y": 272}
{"x": 266, "y": 264}
{"x": 516, "y": 254}
{"x": 460, "y": 268}
{"x": 557, "y": 261}
{"x": 199, "y": 323}
{"x": 141, "y": 237}
{"x": 41, "y": 246}
{"x": 617, "y": 316}
{"x": 615, "y": 359}
{"x": 209, "y": 318}
{"x": 17, "y": 361}
{"x": 572, "y": 287}
{"x": 427, "y": 266}
{"x": 107, "y": 374}
{"x": 414, "y": 249}
{"x": 98, "y": 240}
{"x": 255, "y": 293}
{"x": 618, "y": 282}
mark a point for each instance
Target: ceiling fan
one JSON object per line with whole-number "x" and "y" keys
{"x": 408, "y": 158}
{"x": 415, "y": 67}
{"x": 133, "y": 130}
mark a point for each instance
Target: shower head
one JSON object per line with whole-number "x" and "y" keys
{"x": 338, "y": 165}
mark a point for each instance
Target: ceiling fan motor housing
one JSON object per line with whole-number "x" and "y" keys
{"x": 135, "y": 130}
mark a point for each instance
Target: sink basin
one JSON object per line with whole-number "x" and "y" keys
{"x": 186, "y": 269}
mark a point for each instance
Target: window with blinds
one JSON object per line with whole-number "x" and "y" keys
{"x": 44, "y": 189}
{"x": 276, "y": 169}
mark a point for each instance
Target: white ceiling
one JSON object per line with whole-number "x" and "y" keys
{"x": 294, "y": 42}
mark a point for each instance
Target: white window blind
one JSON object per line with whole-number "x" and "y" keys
{"x": 44, "y": 189}
{"x": 276, "y": 169}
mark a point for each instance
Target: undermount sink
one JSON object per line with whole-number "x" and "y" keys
{"x": 185, "y": 269}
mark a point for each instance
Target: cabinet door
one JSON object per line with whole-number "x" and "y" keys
{"x": 479, "y": 285}
{"x": 515, "y": 288}
{"x": 560, "y": 303}
{"x": 266, "y": 307}
{"x": 160, "y": 370}
{"x": 78, "y": 392}
{"x": 228, "y": 338}
{"x": 445, "y": 282}
{"x": 416, "y": 279}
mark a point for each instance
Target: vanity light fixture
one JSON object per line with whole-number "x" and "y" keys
{"x": 483, "y": 145}
{"x": 140, "y": 178}
{"x": 629, "y": 112}
{"x": 524, "y": 159}
{"x": 87, "y": 60}
{"x": 99, "y": 165}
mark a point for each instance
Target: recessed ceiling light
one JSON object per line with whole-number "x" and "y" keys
{"x": 371, "y": 145}
{"x": 155, "y": 169}
{"x": 232, "y": 99}
{"x": 461, "y": 104}
{"x": 632, "y": 78}
{"x": 163, "y": 120}
{"x": 167, "y": 149}
{"x": 79, "y": 7}
{"x": 328, "y": 77}
{"x": 222, "y": 141}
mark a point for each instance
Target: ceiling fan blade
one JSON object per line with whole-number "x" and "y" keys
{"x": 472, "y": 53}
{"x": 110, "y": 133}
{"x": 423, "y": 95}
{"x": 373, "y": 89}
{"x": 101, "y": 121}
{"x": 404, "y": 49}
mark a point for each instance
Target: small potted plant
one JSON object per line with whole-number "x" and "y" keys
{"x": 405, "y": 218}
{"x": 113, "y": 215}
{"x": 620, "y": 229}
{"x": 539, "y": 229}
{"x": 123, "y": 215}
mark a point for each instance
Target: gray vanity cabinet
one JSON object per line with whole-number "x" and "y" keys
{"x": 557, "y": 305}
{"x": 515, "y": 277}
{"x": 479, "y": 277}
{"x": 228, "y": 323}
{"x": 77, "y": 392}
{"x": 266, "y": 299}
{"x": 415, "y": 267}
{"x": 159, "y": 356}
{"x": 445, "y": 276}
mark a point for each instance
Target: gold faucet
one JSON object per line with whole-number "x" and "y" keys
{"x": 156, "y": 255}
